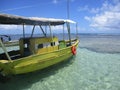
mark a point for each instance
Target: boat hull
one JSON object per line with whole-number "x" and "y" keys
{"x": 35, "y": 62}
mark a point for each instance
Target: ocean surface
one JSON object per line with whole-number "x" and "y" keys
{"x": 95, "y": 67}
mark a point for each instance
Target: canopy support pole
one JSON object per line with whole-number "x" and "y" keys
{"x": 42, "y": 30}
{"x": 76, "y": 31}
{"x": 23, "y": 31}
{"x": 3, "y": 47}
{"x": 33, "y": 31}
{"x": 51, "y": 34}
{"x": 68, "y": 26}
{"x": 50, "y": 30}
{"x": 46, "y": 29}
{"x": 63, "y": 33}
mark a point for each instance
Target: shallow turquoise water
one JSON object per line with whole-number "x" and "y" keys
{"x": 86, "y": 71}
{"x": 90, "y": 69}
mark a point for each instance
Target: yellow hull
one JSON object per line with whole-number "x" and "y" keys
{"x": 35, "y": 62}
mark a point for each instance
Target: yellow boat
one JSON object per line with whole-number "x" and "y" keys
{"x": 36, "y": 53}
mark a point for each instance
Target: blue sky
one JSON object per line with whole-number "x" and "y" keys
{"x": 92, "y": 16}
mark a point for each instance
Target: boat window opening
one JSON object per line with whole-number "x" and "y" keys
{"x": 46, "y": 44}
{"x": 40, "y": 46}
{"x": 56, "y": 43}
{"x": 26, "y": 45}
{"x": 52, "y": 43}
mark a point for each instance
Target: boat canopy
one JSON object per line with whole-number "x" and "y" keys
{"x": 20, "y": 20}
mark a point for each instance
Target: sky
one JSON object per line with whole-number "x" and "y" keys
{"x": 92, "y": 16}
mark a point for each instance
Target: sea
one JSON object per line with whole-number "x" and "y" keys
{"x": 96, "y": 66}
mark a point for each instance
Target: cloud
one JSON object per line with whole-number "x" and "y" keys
{"x": 13, "y": 28}
{"x": 71, "y": 0}
{"x": 87, "y": 18}
{"x": 85, "y": 8}
{"x": 62, "y": 1}
{"x": 93, "y": 10}
{"x": 107, "y": 20}
{"x": 8, "y": 27}
{"x": 116, "y": 1}
{"x": 105, "y": 6}
{"x": 55, "y": 1}
{"x": 108, "y": 17}
{"x": 11, "y": 9}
